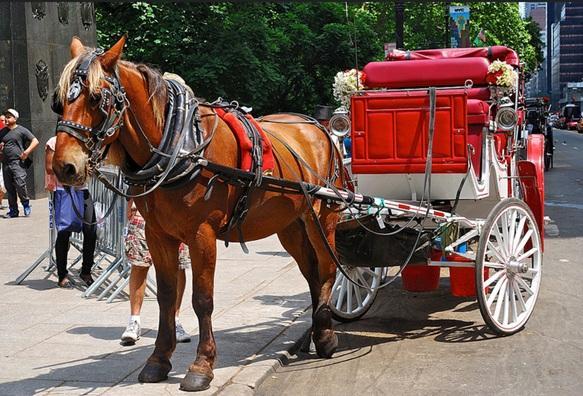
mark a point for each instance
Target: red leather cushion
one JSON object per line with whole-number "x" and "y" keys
{"x": 496, "y": 52}
{"x": 477, "y": 111}
{"x": 424, "y": 73}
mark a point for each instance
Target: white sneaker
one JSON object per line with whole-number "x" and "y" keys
{"x": 132, "y": 333}
{"x": 181, "y": 334}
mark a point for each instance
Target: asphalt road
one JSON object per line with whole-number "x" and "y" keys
{"x": 436, "y": 344}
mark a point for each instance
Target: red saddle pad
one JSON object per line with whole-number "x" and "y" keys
{"x": 245, "y": 144}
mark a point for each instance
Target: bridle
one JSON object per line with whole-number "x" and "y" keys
{"x": 112, "y": 105}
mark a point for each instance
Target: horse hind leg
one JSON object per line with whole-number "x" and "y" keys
{"x": 324, "y": 337}
{"x": 296, "y": 241}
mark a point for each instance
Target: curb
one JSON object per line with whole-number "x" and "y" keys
{"x": 275, "y": 354}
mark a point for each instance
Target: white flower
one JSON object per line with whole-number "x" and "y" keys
{"x": 507, "y": 78}
{"x": 345, "y": 85}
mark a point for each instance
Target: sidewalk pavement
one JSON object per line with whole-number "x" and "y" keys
{"x": 54, "y": 341}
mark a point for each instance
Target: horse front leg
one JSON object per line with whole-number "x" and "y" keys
{"x": 165, "y": 257}
{"x": 203, "y": 255}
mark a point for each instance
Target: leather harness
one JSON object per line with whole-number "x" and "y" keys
{"x": 179, "y": 158}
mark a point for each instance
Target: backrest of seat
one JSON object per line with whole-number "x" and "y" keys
{"x": 426, "y": 73}
{"x": 390, "y": 132}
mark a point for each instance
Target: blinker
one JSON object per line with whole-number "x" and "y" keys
{"x": 74, "y": 90}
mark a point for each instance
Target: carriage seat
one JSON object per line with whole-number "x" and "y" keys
{"x": 424, "y": 73}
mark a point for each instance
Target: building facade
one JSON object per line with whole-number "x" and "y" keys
{"x": 34, "y": 48}
{"x": 565, "y": 52}
{"x": 537, "y": 84}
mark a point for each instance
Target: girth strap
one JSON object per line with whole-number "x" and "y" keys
{"x": 238, "y": 216}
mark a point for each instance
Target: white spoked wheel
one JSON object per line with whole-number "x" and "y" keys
{"x": 349, "y": 301}
{"x": 508, "y": 266}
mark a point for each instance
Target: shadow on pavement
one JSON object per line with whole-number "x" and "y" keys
{"x": 108, "y": 333}
{"x": 36, "y": 284}
{"x": 237, "y": 346}
{"x": 277, "y": 253}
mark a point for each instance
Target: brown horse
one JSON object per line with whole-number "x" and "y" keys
{"x": 134, "y": 125}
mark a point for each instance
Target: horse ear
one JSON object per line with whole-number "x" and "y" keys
{"x": 112, "y": 55}
{"x": 77, "y": 47}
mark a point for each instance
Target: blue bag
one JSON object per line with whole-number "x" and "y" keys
{"x": 66, "y": 219}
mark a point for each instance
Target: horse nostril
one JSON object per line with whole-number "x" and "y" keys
{"x": 69, "y": 170}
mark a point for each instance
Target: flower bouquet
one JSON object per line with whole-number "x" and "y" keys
{"x": 502, "y": 79}
{"x": 346, "y": 84}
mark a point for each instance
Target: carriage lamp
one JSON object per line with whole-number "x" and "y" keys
{"x": 506, "y": 118}
{"x": 340, "y": 123}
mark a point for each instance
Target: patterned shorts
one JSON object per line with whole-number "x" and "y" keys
{"x": 136, "y": 248}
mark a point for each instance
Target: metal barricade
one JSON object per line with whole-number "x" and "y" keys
{"x": 110, "y": 266}
{"x": 109, "y": 250}
{"x": 47, "y": 254}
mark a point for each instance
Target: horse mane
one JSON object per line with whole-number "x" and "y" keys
{"x": 157, "y": 90}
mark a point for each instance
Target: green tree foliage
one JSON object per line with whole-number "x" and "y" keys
{"x": 283, "y": 56}
{"x": 274, "y": 57}
{"x": 501, "y": 21}
{"x": 504, "y": 26}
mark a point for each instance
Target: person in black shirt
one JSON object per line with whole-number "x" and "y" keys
{"x": 14, "y": 153}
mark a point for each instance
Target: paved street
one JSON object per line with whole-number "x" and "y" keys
{"x": 53, "y": 341}
{"x": 435, "y": 344}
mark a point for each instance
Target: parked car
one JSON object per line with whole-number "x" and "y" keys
{"x": 570, "y": 115}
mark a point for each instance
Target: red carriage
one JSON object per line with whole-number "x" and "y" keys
{"x": 436, "y": 130}
{"x": 453, "y": 151}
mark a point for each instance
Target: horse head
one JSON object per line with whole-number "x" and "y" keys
{"x": 92, "y": 105}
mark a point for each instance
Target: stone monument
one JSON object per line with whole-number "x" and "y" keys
{"x": 34, "y": 48}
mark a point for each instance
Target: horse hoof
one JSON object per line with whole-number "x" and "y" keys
{"x": 154, "y": 373}
{"x": 326, "y": 345}
{"x": 194, "y": 382}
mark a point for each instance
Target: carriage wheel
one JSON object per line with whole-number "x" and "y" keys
{"x": 349, "y": 301}
{"x": 508, "y": 266}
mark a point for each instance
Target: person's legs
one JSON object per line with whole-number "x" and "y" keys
{"x": 139, "y": 258}
{"x": 184, "y": 262}
{"x": 181, "y": 283}
{"x": 138, "y": 276}
{"x": 19, "y": 177}
{"x": 61, "y": 251}
{"x": 10, "y": 190}
{"x": 89, "y": 238}
{"x": 2, "y": 188}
